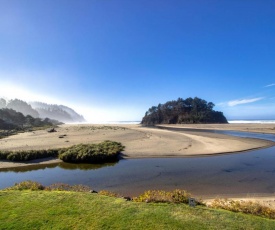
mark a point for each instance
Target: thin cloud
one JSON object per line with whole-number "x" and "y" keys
{"x": 270, "y": 85}
{"x": 244, "y": 101}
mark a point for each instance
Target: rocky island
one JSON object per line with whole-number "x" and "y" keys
{"x": 188, "y": 111}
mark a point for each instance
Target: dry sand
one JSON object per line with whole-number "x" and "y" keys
{"x": 142, "y": 142}
{"x": 268, "y": 201}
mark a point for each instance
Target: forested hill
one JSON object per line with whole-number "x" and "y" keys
{"x": 10, "y": 119}
{"x": 42, "y": 110}
{"x": 188, "y": 111}
{"x": 57, "y": 112}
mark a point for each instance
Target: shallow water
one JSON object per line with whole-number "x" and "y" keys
{"x": 251, "y": 172}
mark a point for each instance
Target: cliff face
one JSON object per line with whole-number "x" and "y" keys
{"x": 188, "y": 111}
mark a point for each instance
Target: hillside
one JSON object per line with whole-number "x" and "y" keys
{"x": 10, "y": 119}
{"x": 83, "y": 210}
{"x": 57, "y": 112}
{"x": 42, "y": 110}
{"x": 188, "y": 111}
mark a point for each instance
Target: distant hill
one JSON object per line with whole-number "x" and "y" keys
{"x": 188, "y": 111}
{"x": 42, "y": 110}
{"x": 10, "y": 119}
{"x": 19, "y": 106}
{"x": 57, "y": 112}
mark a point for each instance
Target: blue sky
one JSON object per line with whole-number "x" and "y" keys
{"x": 113, "y": 59}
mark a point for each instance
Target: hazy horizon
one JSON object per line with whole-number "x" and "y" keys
{"x": 112, "y": 60}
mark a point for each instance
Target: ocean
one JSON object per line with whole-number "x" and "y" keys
{"x": 251, "y": 121}
{"x": 240, "y": 121}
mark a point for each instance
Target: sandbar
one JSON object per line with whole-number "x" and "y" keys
{"x": 139, "y": 141}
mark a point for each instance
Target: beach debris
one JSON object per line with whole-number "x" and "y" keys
{"x": 52, "y": 130}
{"x": 127, "y": 198}
{"x": 62, "y": 136}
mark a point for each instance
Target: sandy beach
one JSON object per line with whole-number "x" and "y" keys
{"x": 144, "y": 142}
{"x": 139, "y": 142}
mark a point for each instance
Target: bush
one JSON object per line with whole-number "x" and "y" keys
{"x": 27, "y": 185}
{"x": 160, "y": 196}
{"x": 248, "y": 207}
{"x": 4, "y": 155}
{"x": 67, "y": 187}
{"x": 34, "y": 186}
{"x": 106, "y": 151}
{"x": 27, "y": 155}
{"x": 108, "y": 193}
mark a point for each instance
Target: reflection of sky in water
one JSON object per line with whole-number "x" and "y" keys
{"x": 249, "y": 172}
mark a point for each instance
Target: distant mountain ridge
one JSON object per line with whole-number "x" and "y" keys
{"x": 43, "y": 110}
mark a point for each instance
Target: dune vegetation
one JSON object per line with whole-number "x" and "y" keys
{"x": 106, "y": 151}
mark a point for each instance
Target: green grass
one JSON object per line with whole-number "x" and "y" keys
{"x": 81, "y": 210}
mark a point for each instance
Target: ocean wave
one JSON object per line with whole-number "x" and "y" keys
{"x": 251, "y": 121}
{"x": 110, "y": 122}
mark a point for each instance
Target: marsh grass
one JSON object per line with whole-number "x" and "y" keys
{"x": 106, "y": 151}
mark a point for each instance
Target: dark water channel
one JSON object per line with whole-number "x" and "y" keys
{"x": 251, "y": 172}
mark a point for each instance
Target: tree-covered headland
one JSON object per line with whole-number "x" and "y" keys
{"x": 183, "y": 111}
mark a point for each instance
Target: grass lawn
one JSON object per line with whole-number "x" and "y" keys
{"x": 80, "y": 210}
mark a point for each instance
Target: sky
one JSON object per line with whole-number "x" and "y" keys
{"x": 111, "y": 60}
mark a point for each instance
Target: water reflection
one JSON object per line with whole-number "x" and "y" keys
{"x": 62, "y": 165}
{"x": 29, "y": 168}
{"x": 69, "y": 166}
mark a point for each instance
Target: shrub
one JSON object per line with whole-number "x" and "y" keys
{"x": 27, "y": 155}
{"x": 157, "y": 196}
{"x": 4, "y": 154}
{"x": 248, "y": 207}
{"x": 67, "y": 187}
{"x": 108, "y": 193}
{"x": 106, "y": 151}
{"x": 27, "y": 185}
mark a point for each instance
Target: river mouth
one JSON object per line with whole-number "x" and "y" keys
{"x": 249, "y": 173}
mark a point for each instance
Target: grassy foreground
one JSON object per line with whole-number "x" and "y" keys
{"x": 81, "y": 210}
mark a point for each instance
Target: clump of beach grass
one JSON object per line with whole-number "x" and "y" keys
{"x": 106, "y": 151}
{"x": 248, "y": 207}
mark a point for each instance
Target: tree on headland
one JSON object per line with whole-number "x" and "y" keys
{"x": 10, "y": 119}
{"x": 3, "y": 103}
{"x": 188, "y": 111}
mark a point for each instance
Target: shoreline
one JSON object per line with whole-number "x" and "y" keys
{"x": 138, "y": 139}
{"x": 140, "y": 142}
